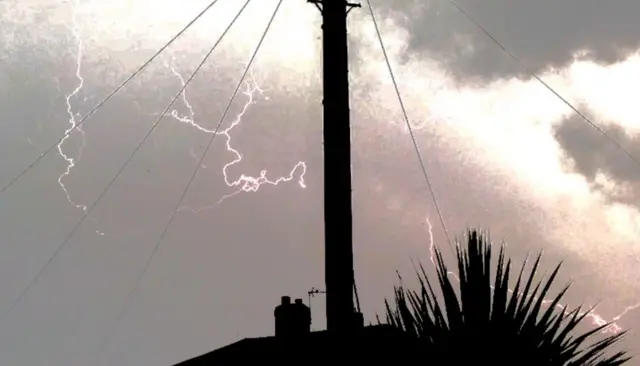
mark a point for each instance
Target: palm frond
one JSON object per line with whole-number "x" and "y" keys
{"x": 491, "y": 324}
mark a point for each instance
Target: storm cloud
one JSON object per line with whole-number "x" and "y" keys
{"x": 543, "y": 34}
{"x": 601, "y": 160}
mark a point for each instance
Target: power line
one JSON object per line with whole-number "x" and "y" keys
{"x": 539, "y": 79}
{"x": 406, "y": 118}
{"x": 191, "y": 180}
{"x": 109, "y": 96}
{"x": 126, "y": 163}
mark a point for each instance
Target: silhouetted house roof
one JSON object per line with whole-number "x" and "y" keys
{"x": 294, "y": 343}
{"x": 375, "y": 343}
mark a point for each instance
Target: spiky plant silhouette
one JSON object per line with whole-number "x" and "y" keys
{"x": 492, "y": 325}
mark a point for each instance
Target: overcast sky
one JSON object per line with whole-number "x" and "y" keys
{"x": 503, "y": 152}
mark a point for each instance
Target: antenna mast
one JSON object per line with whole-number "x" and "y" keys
{"x": 339, "y": 274}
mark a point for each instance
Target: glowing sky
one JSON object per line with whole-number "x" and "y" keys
{"x": 503, "y": 151}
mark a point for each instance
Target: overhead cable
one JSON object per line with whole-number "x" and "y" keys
{"x": 130, "y": 296}
{"x": 122, "y": 168}
{"x": 108, "y": 97}
{"x": 528, "y": 70}
{"x": 409, "y": 127}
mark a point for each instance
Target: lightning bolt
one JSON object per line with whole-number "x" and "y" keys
{"x": 244, "y": 183}
{"x": 73, "y": 123}
{"x": 596, "y": 319}
{"x": 71, "y": 162}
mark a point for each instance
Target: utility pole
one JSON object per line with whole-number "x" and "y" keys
{"x": 339, "y": 273}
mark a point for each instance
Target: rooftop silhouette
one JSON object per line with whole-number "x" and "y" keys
{"x": 444, "y": 322}
{"x": 293, "y": 342}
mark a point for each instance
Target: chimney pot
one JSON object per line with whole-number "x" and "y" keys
{"x": 292, "y": 320}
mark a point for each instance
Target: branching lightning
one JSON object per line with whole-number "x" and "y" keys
{"x": 596, "y": 319}
{"x": 71, "y": 161}
{"x": 244, "y": 183}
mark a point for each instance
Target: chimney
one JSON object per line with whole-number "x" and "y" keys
{"x": 281, "y": 314}
{"x": 292, "y": 320}
{"x": 302, "y": 318}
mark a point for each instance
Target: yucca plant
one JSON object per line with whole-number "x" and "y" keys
{"x": 488, "y": 324}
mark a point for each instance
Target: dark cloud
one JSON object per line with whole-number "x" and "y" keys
{"x": 542, "y": 33}
{"x": 592, "y": 153}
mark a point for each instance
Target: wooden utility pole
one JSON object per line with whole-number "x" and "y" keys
{"x": 339, "y": 273}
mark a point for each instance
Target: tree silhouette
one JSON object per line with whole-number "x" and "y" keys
{"x": 492, "y": 325}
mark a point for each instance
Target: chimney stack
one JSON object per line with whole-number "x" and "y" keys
{"x": 292, "y": 320}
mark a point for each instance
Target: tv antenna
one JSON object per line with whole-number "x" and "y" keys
{"x": 314, "y": 291}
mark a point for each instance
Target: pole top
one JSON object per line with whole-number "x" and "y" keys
{"x": 319, "y": 3}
